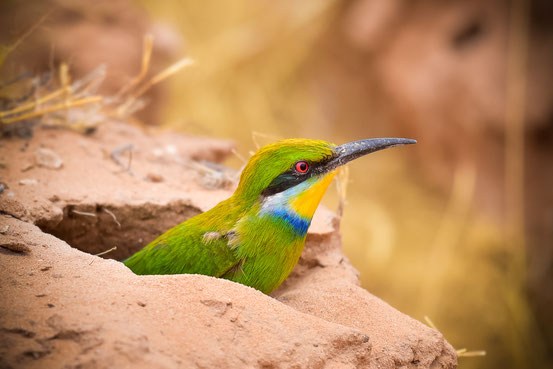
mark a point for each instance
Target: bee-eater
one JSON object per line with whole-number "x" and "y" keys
{"x": 256, "y": 236}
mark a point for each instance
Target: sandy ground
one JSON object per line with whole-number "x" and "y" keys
{"x": 65, "y": 199}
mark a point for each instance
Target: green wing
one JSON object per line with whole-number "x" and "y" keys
{"x": 192, "y": 247}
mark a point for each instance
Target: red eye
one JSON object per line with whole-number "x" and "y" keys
{"x": 301, "y": 167}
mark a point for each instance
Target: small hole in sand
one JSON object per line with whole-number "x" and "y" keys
{"x": 92, "y": 229}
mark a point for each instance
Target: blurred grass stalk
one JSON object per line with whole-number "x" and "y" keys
{"x": 449, "y": 234}
{"x": 532, "y": 348}
{"x": 5, "y": 50}
{"x": 250, "y": 59}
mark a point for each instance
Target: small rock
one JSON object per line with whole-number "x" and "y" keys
{"x": 47, "y": 158}
{"x": 28, "y": 181}
{"x": 171, "y": 149}
{"x": 3, "y": 186}
{"x": 140, "y": 303}
{"x": 157, "y": 152}
{"x": 14, "y": 245}
{"x": 27, "y": 166}
{"x": 4, "y": 229}
{"x": 154, "y": 177}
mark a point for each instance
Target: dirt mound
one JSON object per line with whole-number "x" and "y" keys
{"x": 61, "y": 307}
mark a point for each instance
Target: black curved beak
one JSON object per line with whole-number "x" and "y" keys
{"x": 345, "y": 153}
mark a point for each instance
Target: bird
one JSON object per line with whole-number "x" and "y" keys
{"x": 256, "y": 236}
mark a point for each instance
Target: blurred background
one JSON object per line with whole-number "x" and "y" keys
{"x": 458, "y": 228}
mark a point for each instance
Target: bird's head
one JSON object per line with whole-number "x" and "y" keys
{"x": 290, "y": 177}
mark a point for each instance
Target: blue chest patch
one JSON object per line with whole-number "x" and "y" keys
{"x": 298, "y": 223}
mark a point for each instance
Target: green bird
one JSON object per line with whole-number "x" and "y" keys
{"x": 256, "y": 236}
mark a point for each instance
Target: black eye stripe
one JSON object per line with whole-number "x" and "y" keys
{"x": 283, "y": 182}
{"x": 292, "y": 177}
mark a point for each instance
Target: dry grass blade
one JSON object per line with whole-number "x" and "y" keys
{"x": 166, "y": 73}
{"x": 464, "y": 353}
{"x": 214, "y": 176}
{"x": 6, "y": 50}
{"x": 342, "y": 181}
{"x": 89, "y": 83}
{"x": 161, "y": 76}
{"x": 87, "y": 214}
{"x": 145, "y": 66}
{"x": 51, "y": 109}
{"x": 107, "y": 251}
{"x": 113, "y": 216}
{"x": 256, "y": 135}
{"x": 65, "y": 79}
{"x": 31, "y": 105}
{"x": 430, "y": 322}
{"x": 239, "y": 156}
{"x": 460, "y": 352}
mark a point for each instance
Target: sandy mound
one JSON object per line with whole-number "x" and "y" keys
{"x": 61, "y": 307}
